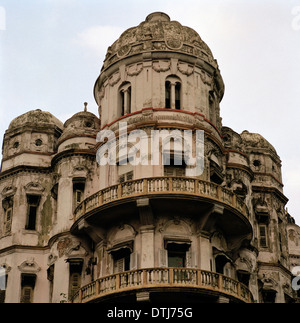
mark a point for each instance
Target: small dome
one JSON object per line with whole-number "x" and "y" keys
{"x": 256, "y": 140}
{"x": 81, "y": 123}
{"x": 158, "y": 33}
{"x": 35, "y": 118}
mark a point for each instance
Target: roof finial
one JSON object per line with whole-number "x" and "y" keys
{"x": 85, "y": 106}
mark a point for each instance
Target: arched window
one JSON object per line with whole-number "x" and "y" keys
{"x": 173, "y": 93}
{"x": 125, "y": 99}
{"x": 177, "y": 95}
{"x": 168, "y": 95}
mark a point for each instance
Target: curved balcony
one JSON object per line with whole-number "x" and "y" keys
{"x": 165, "y": 280}
{"x": 161, "y": 185}
{"x": 179, "y": 194}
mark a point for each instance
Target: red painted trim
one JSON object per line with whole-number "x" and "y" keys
{"x": 164, "y": 109}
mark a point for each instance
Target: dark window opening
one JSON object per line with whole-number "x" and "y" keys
{"x": 7, "y": 205}
{"x": 121, "y": 260}
{"x": 220, "y": 263}
{"x": 3, "y": 284}
{"x": 177, "y": 254}
{"x": 27, "y": 287}
{"x": 168, "y": 95}
{"x": 177, "y": 96}
{"x": 33, "y": 203}
{"x": 122, "y": 94}
{"x": 125, "y": 99}
{"x": 78, "y": 192}
{"x": 174, "y": 165}
{"x": 75, "y": 276}
{"x": 263, "y": 241}
{"x": 216, "y": 175}
{"x": 243, "y": 277}
{"x": 269, "y": 296}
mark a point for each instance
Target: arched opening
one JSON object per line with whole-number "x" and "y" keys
{"x": 178, "y": 96}
{"x": 125, "y": 99}
{"x": 168, "y": 95}
{"x": 173, "y": 93}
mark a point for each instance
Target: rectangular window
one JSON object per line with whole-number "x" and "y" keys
{"x": 33, "y": 202}
{"x": 177, "y": 254}
{"x": 8, "y": 213}
{"x": 75, "y": 276}
{"x": 263, "y": 241}
{"x": 78, "y": 191}
{"x": 3, "y": 284}
{"x": 27, "y": 288}
{"x": 121, "y": 260}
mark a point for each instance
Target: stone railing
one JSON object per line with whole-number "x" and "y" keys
{"x": 161, "y": 185}
{"x": 163, "y": 277}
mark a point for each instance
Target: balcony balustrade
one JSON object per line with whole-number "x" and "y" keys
{"x": 147, "y": 279}
{"x": 159, "y": 186}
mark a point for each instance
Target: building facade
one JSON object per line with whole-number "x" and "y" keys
{"x": 145, "y": 228}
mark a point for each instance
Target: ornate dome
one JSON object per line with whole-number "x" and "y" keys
{"x": 256, "y": 140}
{"x": 35, "y": 118}
{"x": 81, "y": 123}
{"x": 158, "y": 33}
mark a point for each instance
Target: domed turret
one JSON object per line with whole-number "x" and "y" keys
{"x": 257, "y": 141}
{"x": 159, "y": 64}
{"x": 33, "y": 133}
{"x": 158, "y": 33}
{"x": 82, "y": 124}
{"x": 35, "y": 119}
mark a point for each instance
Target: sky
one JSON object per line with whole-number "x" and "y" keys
{"x": 52, "y": 51}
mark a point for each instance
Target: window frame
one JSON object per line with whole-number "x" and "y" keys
{"x": 264, "y": 245}
{"x": 32, "y": 212}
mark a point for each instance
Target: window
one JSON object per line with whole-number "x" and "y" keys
{"x": 121, "y": 260}
{"x": 125, "y": 171}
{"x": 33, "y": 204}
{"x": 3, "y": 284}
{"x": 243, "y": 277}
{"x": 124, "y": 259}
{"x": 27, "y": 287}
{"x": 268, "y": 296}
{"x": 75, "y": 275}
{"x": 38, "y": 142}
{"x": 8, "y": 213}
{"x": 176, "y": 255}
{"x": 177, "y": 95}
{"x": 126, "y": 177}
{"x": 78, "y": 191}
{"x": 263, "y": 241}
{"x": 50, "y": 277}
{"x": 173, "y": 93}
{"x": 168, "y": 95}
{"x": 125, "y": 99}
{"x": 174, "y": 166}
{"x": 221, "y": 265}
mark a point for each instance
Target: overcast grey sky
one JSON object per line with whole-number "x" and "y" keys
{"x": 51, "y": 52}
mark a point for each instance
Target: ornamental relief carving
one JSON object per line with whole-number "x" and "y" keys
{"x": 134, "y": 70}
{"x": 29, "y": 266}
{"x": 9, "y": 191}
{"x": 114, "y": 79}
{"x": 161, "y": 66}
{"x": 185, "y": 68}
